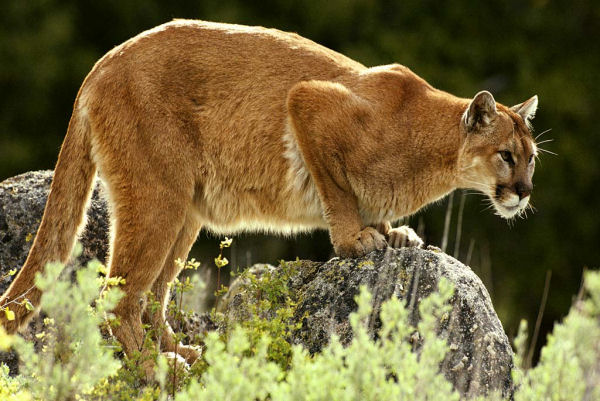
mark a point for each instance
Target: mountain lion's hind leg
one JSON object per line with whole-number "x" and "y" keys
{"x": 399, "y": 237}
{"x": 160, "y": 289}
{"x": 149, "y": 216}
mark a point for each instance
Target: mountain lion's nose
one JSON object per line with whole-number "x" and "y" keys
{"x": 523, "y": 190}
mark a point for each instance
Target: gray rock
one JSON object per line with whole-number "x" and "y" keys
{"x": 480, "y": 357}
{"x": 22, "y": 202}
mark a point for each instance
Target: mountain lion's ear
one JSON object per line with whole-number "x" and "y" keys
{"x": 526, "y": 109}
{"x": 480, "y": 112}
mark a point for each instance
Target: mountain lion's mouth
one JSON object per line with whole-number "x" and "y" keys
{"x": 507, "y": 210}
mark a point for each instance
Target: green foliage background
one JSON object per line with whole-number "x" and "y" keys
{"x": 513, "y": 48}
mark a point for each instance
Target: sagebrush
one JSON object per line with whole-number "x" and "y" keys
{"x": 241, "y": 364}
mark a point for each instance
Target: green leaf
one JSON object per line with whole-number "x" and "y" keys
{"x": 28, "y": 305}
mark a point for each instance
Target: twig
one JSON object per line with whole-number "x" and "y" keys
{"x": 421, "y": 228}
{"x": 581, "y": 287}
{"x": 447, "y": 222}
{"x": 486, "y": 268}
{"x": 470, "y": 252}
{"x": 538, "y": 321}
{"x": 461, "y": 209}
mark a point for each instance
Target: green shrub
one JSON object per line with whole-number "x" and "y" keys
{"x": 74, "y": 358}
{"x": 271, "y": 305}
{"x": 569, "y": 365}
{"x": 76, "y": 363}
{"x": 11, "y": 388}
{"x": 365, "y": 370}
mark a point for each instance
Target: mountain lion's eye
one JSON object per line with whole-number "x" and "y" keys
{"x": 531, "y": 159}
{"x": 506, "y": 156}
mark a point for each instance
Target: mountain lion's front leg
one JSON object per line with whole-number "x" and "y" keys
{"x": 399, "y": 237}
{"x": 323, "y": 120}
{"x": 349, "y": 236}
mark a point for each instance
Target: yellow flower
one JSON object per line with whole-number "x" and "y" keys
{"x": 10, "y": 315}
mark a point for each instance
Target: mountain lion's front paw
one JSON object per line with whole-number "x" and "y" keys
{"x": 404, "y": 236}
{"x": 365, "y": 241}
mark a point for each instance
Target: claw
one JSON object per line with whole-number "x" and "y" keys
{"x": 404, "y": 236}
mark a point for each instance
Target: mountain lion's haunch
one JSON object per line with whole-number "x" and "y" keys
{"x": 233, "y": 128}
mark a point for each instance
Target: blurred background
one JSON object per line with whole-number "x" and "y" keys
{"x": 513, "y": 48}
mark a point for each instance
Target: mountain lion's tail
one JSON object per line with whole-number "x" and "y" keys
{"x": 64, "y": 214}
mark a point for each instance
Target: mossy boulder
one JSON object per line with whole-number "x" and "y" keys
{"x": 323, "y": 294}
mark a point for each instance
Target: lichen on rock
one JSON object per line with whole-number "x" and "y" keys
{"x": 480, "y": 358}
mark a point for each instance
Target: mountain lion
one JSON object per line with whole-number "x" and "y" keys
{"x": 232, "y": 128}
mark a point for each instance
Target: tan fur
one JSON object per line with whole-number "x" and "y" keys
{"x": 195, "y": 124}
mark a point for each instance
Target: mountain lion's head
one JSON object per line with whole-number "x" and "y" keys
{"x": 498, "y": 155}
